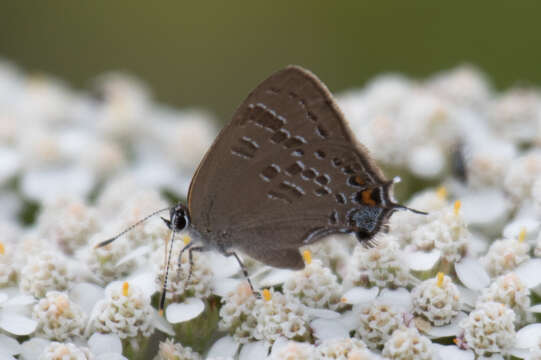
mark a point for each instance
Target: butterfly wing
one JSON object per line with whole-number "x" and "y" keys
{"x": 285, "y": 172}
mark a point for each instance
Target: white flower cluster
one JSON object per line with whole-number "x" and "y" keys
{"x": 43, "y": 272}
{"x": 505, "y": 255}
{"x": 67, "y": 351}
{"x": 170, "y": 350}
{"x": 315, "y": 286}
{"x": 77, "y": 168}
{"x": 68, "y": 223}
{"x": 436, "y": 299}
{"x": 408, "y": 344}
{"x": 381, "y": 265}
{"x": 178, "y": 286}
{"x": 274, "y": 316}
{"x": 341, "y": 349}
{"x": 489, "y": 328}
{"x": 125, "y": 311}
{"x": 509, "y": 290}
{"x": 446, "y": 232}
{"x": 59, "y": 318}
{"x": 377, "y": 324}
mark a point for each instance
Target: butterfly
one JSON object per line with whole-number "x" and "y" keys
{"x": 284, "y": 173}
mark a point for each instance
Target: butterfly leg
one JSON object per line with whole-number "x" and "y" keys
{"x": 190, "y": 256}
{"x": 244, "y": 271}
{"x": 179, "y": 262}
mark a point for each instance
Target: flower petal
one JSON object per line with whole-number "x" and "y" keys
{"x": 475, "y": 210}
{"x": 325, "y": 329}
{"x": 351, "y": 319}
{"x": 528, "y": 273}
{"x": 111, "y": 356}
{"x": 9, "y": 345}
{"x": 359, "y": 295}
{"x": 472, "y": 274}
{"x": 17, "y": 324}
{"x": 254, "y": 350}
{"x": 223, "y": 266}
{"x": 529, "y": 336}
{"x": 275, "y": 277}
{"x": 86, "y": 295}
{"x": 20, "y": 300}
{"x": 105, "y": 344}
{"x": 398, "y": 297}
{"x": 4, "y": 355}
{"x": 421, "y": 260}
{"x": 137, "y": 253}
{"x": 189, "y": 309}
{"x": 146, "y": 281}
{"x": 224, "y": 347}
{"x": 223, "y": 287}
{"x": 161, "y": 324}
{"x": 321, "y": 313}
{"x": 32, "y": 349}
{"x": 535, "y": 308}
{"x": 451, "y": 329}
{"x": 452, "y": 352}
{"x": 513, "y": 229}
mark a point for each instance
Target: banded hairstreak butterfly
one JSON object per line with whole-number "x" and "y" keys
{"x": 284, "y": 173}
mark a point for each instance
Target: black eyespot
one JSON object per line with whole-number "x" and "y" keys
{"x": 180, "y": 223}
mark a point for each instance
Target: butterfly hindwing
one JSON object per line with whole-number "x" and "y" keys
{"x": 285, "y": 167}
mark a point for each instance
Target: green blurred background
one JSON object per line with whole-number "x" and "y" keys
{"x": 211, "y": 54}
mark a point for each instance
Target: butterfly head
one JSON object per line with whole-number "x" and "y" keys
{"x": 179, "y": 218}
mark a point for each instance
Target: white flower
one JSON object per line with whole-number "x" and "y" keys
{"x": 58, "y": 317}
{"x": 178, "y": 287}
{"x": 334, "y": 252}
{"x": 445, "y": 232}
{"x": 509, "y": 290}
{"x": 125, "y": 311}
{"x": 14, "y": 313}
{"x": 66, "y": 351}
{"x": 68, "y": 222}
{"x": 489, "y": 328}
{"x": 316, "y": 286}
{"x": 125, "y": 106}
{"x": 522, "y": 173}
{"x": 488, "y": 162}
{"x": 294, "y": 351}
{"x": 8, "y": 267}
{"x": 381, "y": 265}
{"x": 170, "y": 350}
{"x": 135, "y": 207}
{"x": 408, "y": 344}
{"x": 403, "y": 223}
{"x": 516, "y": 114}
{"x": 103, "y": 261}
{"x": 464, "y": 85}
{"x": 43, "y": 272}
{"x": 437, "y": 299}
{"x": 237, "y": 313}
{"x": 505, "y": 255}
{"x": 340, "y": 349}
{"x": 377, "y": 323}
{"x": 280, "y": 316}
{"x": 187, "y": 138}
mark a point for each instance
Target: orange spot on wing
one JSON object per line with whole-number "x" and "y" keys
{"x": 365, "y": 195}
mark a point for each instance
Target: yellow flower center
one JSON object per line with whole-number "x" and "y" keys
{"x": 307, "y": 255}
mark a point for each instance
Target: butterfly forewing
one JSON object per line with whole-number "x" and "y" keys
{"x": 285, "y": 172}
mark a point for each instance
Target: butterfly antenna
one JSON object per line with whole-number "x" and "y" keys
{"x": 396, "y": 180}
{"x": 131, "y": 227}
{"x": 164, "y": 284}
